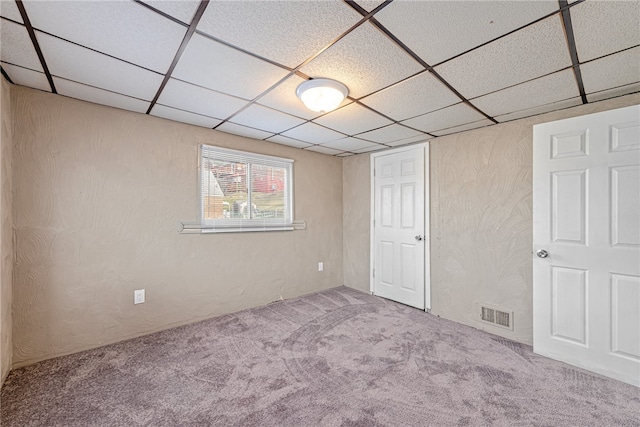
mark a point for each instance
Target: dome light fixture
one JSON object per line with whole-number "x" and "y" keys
{"x": 322, "y": 95}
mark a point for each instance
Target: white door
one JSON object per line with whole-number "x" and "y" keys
{"x": 400, "y": 243}
{"x": 586, "y": 242}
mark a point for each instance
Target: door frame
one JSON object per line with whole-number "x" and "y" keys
{"x": 427, "y": 223}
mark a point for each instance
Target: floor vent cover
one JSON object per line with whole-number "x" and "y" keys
{"x": 497, "y": 317}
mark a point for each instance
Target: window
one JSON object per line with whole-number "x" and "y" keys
{"x": 244, "y": 192}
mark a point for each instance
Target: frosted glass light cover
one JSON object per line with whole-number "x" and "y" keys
{"x": 322, "y": 95}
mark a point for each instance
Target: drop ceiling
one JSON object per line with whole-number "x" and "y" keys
{"x": 416, "y": 70}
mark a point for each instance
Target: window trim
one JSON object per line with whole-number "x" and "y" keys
{"x": 226, "y": 225}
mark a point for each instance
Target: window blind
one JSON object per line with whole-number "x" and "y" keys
{"x": 243, "y": 191}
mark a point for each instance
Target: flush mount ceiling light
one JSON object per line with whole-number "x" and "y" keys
{"x": 322, "y": 95}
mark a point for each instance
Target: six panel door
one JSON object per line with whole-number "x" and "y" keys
{"x": 586, "y": 234}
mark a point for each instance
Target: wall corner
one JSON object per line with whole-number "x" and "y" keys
{"x": 6, "y": 230}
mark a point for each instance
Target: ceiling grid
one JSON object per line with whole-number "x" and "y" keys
{"x": 571, "y": 44}
{"x": 36, "y": 46}
{"x": 5, "y": 75}
{"x": 183, "y": 45}
{"x": 417, "y": 58}
{"x": 415, "y": 70}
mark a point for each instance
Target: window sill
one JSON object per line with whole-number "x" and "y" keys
{"x": 198, "y": 228}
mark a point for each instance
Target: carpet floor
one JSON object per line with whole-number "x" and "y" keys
{"x": 334, "y": 358}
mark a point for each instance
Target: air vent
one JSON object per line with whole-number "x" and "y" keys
{"x": 488, "y": 315}
{"x": 497, "y": 317}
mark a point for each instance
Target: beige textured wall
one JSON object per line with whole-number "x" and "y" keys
{"x": 356, "y": 199}
{"x": 481, "y": 220}
{"x": 6, "y": 229}
{"x": 481, "y": 224}
{"x": 98, "y": 196}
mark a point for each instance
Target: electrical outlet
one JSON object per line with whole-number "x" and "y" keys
{"x": 138, "y": 296}
{"x": 321, "y": 266}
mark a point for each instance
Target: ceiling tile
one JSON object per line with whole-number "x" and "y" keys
{"x": 283, "y": 98}
{"x": 526, "y": 54}
{"x": 412, "y": 97}
{"x": 349, "y": 144}
{"x": 313, "y": 133}
{"x": 26, "y": 77}
{"x": 468, "y": 126}
{"x": 288, "y": 32}
{"x": 195, "y": 99}
{"x": 8, "y": 9}
{"x": 407, "y": 141}
{"x": 612, "y": 93}
{"x": 17, "y": 47}
{"x": 283, "y": 140}
{"x": 266, "y": 119}
{"x": 182, "y": 10}
{"x": 524, "y": 73}
{"x": 389, "y": 133}
{"x": 76, "y": 63}
{"x": 369, "y": 5}
{"x": 376, "y": 147}
{"x": 455, "y": 115}
{"x": 99, "y": 96}
{"x": 545, "y": 90}
{"x": 184, "y": 116}
{"x": 125, "y": 30}
{"x": 218, "y": 67}
{"x": 324, "y": 150}
{"x": 365, "y": 60}
{"x": 243, "y": 131}
{"x": 352, "y": 119}
{"x": 567, "y": 103}
{"x": 611, "y": 71}
{"x": 432, "y": 29}
{"x": 604, "y": 27}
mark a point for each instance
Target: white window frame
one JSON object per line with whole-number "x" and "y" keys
{"x": 237, "y": 225}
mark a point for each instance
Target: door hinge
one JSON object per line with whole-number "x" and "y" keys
{"x": 374, "y": 272}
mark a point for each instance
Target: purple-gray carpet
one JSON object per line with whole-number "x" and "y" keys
{"x": 334, "y": 358}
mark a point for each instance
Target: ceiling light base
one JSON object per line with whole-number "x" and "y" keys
{"x": 322, "y": 95}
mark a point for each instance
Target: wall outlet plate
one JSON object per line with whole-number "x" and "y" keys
{"x": 321, "y": 266}
{"x": 138, "y": 296}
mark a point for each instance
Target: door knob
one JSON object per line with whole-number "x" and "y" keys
{"x": 419, "y": 238}
{"x": 542, "y": 253}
